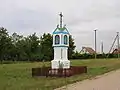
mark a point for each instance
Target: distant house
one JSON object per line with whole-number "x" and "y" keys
{"x": 87, "y": 50}
{"x": 116, "y": 51}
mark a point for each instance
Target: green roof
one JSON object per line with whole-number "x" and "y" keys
{"x": 62, "y": 29}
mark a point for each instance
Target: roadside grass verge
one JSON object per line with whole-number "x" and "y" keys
{"x": 18, "y": 76}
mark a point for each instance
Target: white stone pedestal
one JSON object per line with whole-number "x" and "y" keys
{"x": 55, "y": 64}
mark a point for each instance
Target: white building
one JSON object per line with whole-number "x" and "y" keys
{"x": 60, "y": 44}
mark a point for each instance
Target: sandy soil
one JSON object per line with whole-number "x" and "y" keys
{"x": 108, "y": 81}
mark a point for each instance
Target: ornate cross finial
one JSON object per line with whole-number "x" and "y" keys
{"x": 61, "y": 19}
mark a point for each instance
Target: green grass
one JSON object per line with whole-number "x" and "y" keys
{"x": 18, "y": 76}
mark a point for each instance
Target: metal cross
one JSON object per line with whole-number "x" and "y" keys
{"x": 61, "y": 19}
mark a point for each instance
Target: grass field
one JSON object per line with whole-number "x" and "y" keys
{"x": 18, "y": 76}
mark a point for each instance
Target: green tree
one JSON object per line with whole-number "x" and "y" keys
{"x": 5, "y": 44}
{"x": 35, "y": 46}
{"x": 46, "y": 47}
{"x": 28, "y": 48}
{"x": 15, "y": 51}
{"x": 71, "y": 47}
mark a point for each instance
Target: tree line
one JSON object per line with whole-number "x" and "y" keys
{"x": 17, "y": 47}
{"x": 78, "y": 55}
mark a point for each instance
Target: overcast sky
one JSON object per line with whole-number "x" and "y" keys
{"x": 81, "y": 17}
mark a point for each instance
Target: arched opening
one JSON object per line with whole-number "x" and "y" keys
{"x": 65, "y": 40}
{"x": 57, "y": 39}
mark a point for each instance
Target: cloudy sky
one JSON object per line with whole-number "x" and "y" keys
{"x": 81, "y": 17}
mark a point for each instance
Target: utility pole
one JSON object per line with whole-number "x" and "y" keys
{"x": 95, "y": 45}
{"x": 118, "y": 42}
{"x": 102, "y": 48}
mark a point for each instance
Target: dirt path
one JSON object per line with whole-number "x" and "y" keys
{"x": 108, "y": 81}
